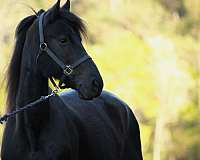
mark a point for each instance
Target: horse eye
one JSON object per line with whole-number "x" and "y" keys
{"x": 64, "y": 40}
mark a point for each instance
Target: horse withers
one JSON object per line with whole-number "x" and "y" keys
{"x": 84, "y": 124}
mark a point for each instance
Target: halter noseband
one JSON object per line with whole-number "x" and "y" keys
{"x": 67, "y": 69}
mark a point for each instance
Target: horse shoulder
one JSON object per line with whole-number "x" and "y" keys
{"x": 132, "y": 144}
{"x": 116, "y": 108}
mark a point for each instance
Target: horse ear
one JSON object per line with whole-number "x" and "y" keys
{"x": 53, "y": 12}
{"x": 66, "y": 6}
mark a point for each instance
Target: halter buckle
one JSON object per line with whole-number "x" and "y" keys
{"x": 68, "y": 70}
{"x": 43, "y": 46}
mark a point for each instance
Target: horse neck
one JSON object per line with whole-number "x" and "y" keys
{"x": 32, "y": 85}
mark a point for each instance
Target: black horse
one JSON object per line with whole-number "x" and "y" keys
{"x": 85, "y": 124}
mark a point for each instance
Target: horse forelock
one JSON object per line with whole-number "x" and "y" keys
{"x": 75, "y": 22}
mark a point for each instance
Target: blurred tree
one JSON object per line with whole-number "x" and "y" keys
{"x": 175, "y": 7}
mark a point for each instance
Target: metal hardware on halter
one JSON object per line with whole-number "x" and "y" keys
{"x": 43, "y": 46}
{"x": 68, "y": 70}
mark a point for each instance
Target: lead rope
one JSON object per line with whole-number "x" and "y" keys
{"x": 18, "y": 110}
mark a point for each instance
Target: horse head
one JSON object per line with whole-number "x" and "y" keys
{"x": 60, "y": 52}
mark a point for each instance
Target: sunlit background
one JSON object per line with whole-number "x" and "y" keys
{"x": 148, "y": 54}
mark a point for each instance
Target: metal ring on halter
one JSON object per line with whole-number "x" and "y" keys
{"x": 43, "y": 46}
{"x": 68, "y": 70}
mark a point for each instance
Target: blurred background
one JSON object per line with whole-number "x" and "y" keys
{"x": 148, "y": 54}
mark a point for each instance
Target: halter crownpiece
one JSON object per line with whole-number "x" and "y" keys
{"x": 67, "y": 69}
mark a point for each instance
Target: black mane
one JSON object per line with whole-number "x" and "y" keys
{"x": 13, "y": 72}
